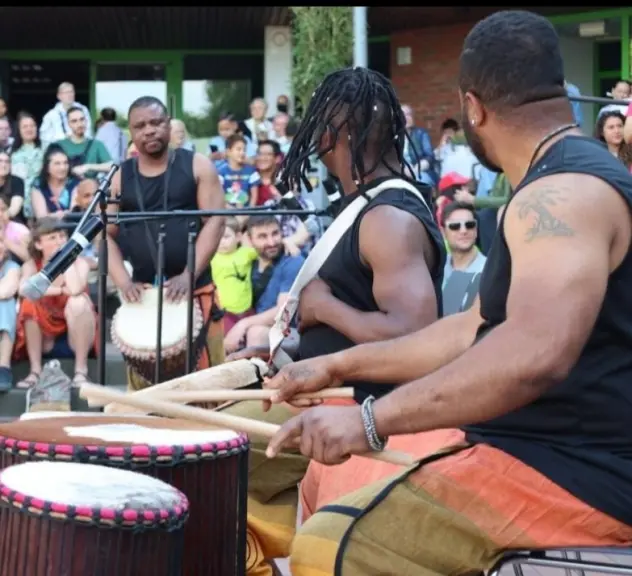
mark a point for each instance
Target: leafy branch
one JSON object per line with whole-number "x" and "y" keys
{"x": 322, "y": 42}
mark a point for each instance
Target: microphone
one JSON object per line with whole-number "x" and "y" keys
{"x": 35, "y": 287}
{"x": 289, "y": 201}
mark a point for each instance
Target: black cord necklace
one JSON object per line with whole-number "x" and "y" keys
{"x": 547, "y": 138}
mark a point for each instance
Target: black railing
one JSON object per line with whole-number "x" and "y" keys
{"x": 598, "y": 100}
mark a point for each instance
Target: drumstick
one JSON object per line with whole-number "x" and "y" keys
{"x": 188, "y": 396}
{"x": 218, "y": 419}
{"x": 227, "y": 376}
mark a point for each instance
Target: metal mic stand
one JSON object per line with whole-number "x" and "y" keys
{"x": 101, "y": 197}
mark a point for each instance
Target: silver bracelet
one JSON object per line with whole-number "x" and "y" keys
{"x": 376, "y": 443}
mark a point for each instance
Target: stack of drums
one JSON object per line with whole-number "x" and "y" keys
{"x": 64, "y": 519}
{"x": 209, "y": 466}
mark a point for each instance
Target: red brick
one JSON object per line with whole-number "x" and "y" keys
{"x": 429, "y": 83}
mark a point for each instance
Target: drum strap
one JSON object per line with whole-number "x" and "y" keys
{"x": 151, "y": 241}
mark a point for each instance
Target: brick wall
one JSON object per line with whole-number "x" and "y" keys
{"x": 428, "y": 84}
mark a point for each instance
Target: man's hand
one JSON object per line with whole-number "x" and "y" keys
{"x": 464, "y": 196}
{"x": 327, "y": 434}
{"x": 301, "y": 377}
{"x": 314, "y": 297}
{"x": 235, "y": 336}
{"x": 132, "y": 292}
{"x": 290, "y": 248}
{"x": 177, "y": 288}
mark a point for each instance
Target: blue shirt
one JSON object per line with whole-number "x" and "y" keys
{"x": 238, "y": 184}
{"x": 283, "y": 275}
{"x": 573, "y": 90}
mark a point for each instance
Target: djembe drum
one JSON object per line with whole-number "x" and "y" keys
{"x": 135, "y": 330}
{"x": 65, "y": 519}
{"x": 209, "y": 466}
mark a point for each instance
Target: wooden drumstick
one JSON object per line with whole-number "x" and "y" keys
{"x": 191, "y": 396}
{"x": 227, "y": 376}
{"x": 154, "y": 405}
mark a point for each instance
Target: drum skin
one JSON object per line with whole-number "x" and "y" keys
{"x": 134, "y": 332}
{"x": 45, "y": 538}
{"x": 212, "y": 475}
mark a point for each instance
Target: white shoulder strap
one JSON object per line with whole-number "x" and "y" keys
{"x": 321, "y": 252}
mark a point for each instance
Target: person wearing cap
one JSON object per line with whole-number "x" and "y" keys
{"x": 449, "y": 186}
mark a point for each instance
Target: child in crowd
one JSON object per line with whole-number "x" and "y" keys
{"x": 227, "y": 127}
{"x": 231, "y": 268}
{"x": 239, "y": 179}
{"x": 16, "y": 235}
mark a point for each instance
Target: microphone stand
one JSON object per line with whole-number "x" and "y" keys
{"x": 101, "y": 198}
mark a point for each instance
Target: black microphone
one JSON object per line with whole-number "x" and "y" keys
{"x": 35, "y": 287}
{"x": 289, "y": 201}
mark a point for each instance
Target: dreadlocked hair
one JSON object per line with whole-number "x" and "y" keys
{"x": 364, "y": 102}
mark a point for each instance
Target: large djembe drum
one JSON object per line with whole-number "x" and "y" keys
{"x": 209, "y": 466}
{"x": 135, "y": 330}
{"x": 65, "y": 519}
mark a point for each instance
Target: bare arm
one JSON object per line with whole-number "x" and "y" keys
{"x": 10, "y": 283}
{"x": 19, "y": 247}
{"x": 402, "y": 286}
{"x": 76, "y": 277}
{"x": 558, "y": 247}
{"x": 210, "y": 196}
{"x": 15, "y": 206}
{"x": 29, "y": 269}
{"x": 627, "y": 130}
{"x": 39, "y": 204}
{"x": 116, "y": 268}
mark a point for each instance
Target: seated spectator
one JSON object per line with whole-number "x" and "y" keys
{"x": 11, "y": 189}
{"x": 16, "y": 236}
{"x": 65, "y": 310}
{"x": 620, "y": 91}
{"x": 113, "y": 138}
{"x": 227, "y": 127}
{"x": 9, "y": 283}
{"x": 53, "y": 191}
{"x": 460, "y": 229}
{"x": 449, "y": 128}
{"x": 131, "y": 151}
{"x": 609, "y": 130}
{"x": 279, "y": 128}
{"x": 231, "y": 268}
{"x": 461, "y": 160}
{"x": 267, "y": 164}
{"x": 27, "y": 158}
{"x": 239, "y": 179}
{"x": 290, "y": 131}
{"x": 448, "y": 188}
{"x": 273, "y": 273}
{"x": 179, "y": 136}
{"x": 572, "y": 90}
{"x": 418, "y": 150}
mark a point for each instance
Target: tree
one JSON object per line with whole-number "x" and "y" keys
{"x": 221, "y": 97}
{"x": 322, "y": 38}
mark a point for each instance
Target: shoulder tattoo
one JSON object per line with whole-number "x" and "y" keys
{"x": 537, "y": 204}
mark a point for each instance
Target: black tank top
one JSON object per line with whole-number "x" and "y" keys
{"x": 351, "y": 281}
{"x": 578, "y": 433}
{"x": 182, "y": 195}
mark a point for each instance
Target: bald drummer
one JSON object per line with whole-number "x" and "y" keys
{"x": 536, "y": 375}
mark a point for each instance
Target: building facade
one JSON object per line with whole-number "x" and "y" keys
{"x": 235, "y": 54}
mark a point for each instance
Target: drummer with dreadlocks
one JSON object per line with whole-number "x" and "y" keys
{"x": 381, "y": 280}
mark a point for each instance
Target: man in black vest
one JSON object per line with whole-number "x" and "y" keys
{"x": 536, "y": 375}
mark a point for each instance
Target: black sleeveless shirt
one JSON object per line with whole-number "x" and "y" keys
{"x": 578, "y": 433}
{"x": 181, "y": 195}
{"x": 351, "y": 281}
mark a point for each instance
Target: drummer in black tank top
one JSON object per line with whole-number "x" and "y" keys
{"x": 165, "y": 180}
{"x": 538, "y": 373}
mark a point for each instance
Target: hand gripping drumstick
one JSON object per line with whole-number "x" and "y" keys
{"x": 191, "y": 396}
{"x": 217, "y": 419}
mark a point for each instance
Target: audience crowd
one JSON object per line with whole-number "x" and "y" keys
{"x": 50, "y": 171}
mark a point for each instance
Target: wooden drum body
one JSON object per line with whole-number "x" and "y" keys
{"x": 64, "y": 519}
{"x": 209, "y": 466}
{"x": 135, "y": 330}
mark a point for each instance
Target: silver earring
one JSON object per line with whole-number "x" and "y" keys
{"x": 473, "y": 122}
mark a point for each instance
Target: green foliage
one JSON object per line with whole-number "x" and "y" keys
{"x": 322, "y": 39}
{"x": 222, "y": 97}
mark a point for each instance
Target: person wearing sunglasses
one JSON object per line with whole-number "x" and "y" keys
{"x": 460, "y": 230}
